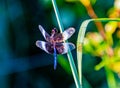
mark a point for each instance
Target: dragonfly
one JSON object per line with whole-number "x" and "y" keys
{"x": 54, "y": 43}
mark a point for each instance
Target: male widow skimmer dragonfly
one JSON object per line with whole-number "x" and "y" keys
{"x": 55, "y": 43}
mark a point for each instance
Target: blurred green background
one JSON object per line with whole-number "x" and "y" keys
{"x": 23, "y": 65}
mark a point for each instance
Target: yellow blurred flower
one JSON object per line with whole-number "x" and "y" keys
{"x": 110, "y": 27}
{"x": 94, "y": 38}
{"x": 115, "y": 67}
{"x": 117, "y": 4}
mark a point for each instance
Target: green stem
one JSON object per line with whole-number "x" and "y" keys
{"x": 70, "y": 57}
{"x": 109, "y": 74}
{"x": 57, "y": 16}
{"x": 110, "y": 78}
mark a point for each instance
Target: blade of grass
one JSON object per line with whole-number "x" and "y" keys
{"x": 79, "y": 47}
{"x": 80, "y": 40}
{"x": 70, "y": 57}
{"x": 110, "y": 78}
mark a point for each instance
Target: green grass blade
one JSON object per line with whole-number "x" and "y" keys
{"x": 70, "y": 57}
{"x": 57, "y": 16}
{"x": 80, "y": 40}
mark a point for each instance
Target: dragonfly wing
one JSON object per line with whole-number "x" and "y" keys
{"x": 44, "y": 33}
{"x": 63, "y": 48}
{"x": 65, "y": 35}
{"x": 68, "y": 33}
{"x": 46, "y": 46}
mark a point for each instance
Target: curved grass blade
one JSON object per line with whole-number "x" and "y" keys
{"x": 80, "y": 40}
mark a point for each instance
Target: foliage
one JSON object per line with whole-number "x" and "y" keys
{"x": 95, "y": 63}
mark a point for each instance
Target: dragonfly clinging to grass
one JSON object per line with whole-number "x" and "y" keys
{"x": 55, "y": 42}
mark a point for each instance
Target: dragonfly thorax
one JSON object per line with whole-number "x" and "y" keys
{"x": 53, "y": 33}
{"x": 52, "y": 40}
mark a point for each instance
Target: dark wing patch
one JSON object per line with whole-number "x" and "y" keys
{"x": 64, "y": 36}
{"x": 63, "y": 48}
{"x": 58, "y": 38}
{"x": 46, "y": 46}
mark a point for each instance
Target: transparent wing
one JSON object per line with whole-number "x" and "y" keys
{"x": 46, "y": 46}
{"x": 63, "y": 48}
{"x": 44, "y": 33}
{"x": 68, "y": 33}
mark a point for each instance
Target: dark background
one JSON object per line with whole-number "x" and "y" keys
{"x": 22, "y": 64}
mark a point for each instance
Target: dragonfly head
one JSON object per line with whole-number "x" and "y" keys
{"x": 54, "y": 31}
